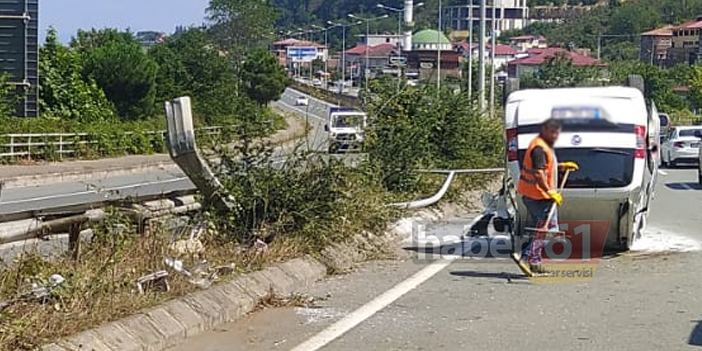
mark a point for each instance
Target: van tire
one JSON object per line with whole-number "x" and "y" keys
{"x": 636, "y": 81}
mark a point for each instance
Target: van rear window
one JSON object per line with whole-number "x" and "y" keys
{"x": 599, "y": 167}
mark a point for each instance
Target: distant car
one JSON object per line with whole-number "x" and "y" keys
{"x": 681, "y": 146}
{"x": 317, "y": 83}
{"x": 302, "y": 101}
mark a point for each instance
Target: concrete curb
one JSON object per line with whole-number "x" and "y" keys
{"x": 169, "y": 324}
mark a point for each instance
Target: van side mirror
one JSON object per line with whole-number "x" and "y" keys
{"x": 326, "y": 127}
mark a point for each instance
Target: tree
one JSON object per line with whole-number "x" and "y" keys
{"x": 241, "y": 24}
{"x": 190, "y": 64}
{"x": 558, "y": 72}
{"x": 63, "y": 91}
{"x": 263, "y": 79}
{"x": 126, "y": 74}
{"x": 657, "y": 82}
{"x": 696, "y": 88}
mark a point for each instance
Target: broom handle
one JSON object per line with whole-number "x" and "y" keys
{"x": 553, "y": 207}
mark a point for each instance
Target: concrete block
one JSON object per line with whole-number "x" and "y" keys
{"x": 144, "y": 331}
{"x": 293, "y": 270}
{"x": 313, "y": 267}
{"x": 209, "y": 310}
{"x": 184, "y": 314}
{"x": 117, "y": 338}
{"x": 85, "y": 341}
{"x": 282, "y": 284}
{"x": 241, "y": 298}
{"x": 228, "y": 307}
{"x": 172, "y": 331}
{"x": 255, "y": 288}
{"x": 53, "y": 347}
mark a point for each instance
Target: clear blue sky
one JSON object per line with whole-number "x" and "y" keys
{"x": 67, "y": 16}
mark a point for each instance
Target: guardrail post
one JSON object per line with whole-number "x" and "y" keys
{"x": 74, "y": 240}
{"x": 12, "y": 145}
{"x": 183, "y": 151}
{"x": 29, "y": 147}
{"x": 60, "y": 147}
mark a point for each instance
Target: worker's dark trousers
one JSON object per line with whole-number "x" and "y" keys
{"x": 538, "y": 215}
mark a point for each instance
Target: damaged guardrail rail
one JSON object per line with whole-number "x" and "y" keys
{"x": 450, "y": 176}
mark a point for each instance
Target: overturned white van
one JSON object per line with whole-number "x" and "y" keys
{"x": 615, "y": 140}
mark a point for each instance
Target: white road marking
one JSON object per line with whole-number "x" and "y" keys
{"x": 368, "y": 310}
{"x": 352, "y": 320}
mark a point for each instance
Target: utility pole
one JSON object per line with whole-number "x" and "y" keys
{"x": 481, "y": 74}
{"x": 438, "y": 53}
{"x": 470, "y": 54}
{"x": 492, "y": 61}
{"x": 366, "y": 72}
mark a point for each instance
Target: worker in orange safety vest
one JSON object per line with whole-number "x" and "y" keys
{"x": 537, "y": 186}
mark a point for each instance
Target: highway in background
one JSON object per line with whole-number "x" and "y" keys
{"x": 146, "y": 183}
{"x": 649, "y": 299}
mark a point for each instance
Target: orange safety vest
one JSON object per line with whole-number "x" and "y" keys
{"x": 528, "y": 186}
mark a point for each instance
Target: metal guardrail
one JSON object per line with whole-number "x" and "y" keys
{"x": 450, "y": 176}
{"x": 29, "y": 145}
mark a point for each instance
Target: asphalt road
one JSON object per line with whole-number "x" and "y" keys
{"x": 648, "y": 299}
{"x": 140, "y": 184}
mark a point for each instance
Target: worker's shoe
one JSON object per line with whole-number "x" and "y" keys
{"x": 537, "y": 269}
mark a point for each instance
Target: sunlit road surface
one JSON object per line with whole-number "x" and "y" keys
{"x": 650, "y": 299}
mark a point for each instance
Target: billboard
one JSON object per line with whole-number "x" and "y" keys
{"x": 19, "y": 51}
{"x": 302, "y": 53}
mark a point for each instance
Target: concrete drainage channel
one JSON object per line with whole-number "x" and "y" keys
{"x": 168, "y": 325}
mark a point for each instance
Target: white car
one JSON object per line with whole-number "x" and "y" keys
{"x": 681, "y": 146}
{"x": 302, "y": 101}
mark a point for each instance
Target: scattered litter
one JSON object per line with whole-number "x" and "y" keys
{"x": 188, "y": 247}
{"x": 226, "y": 269}
{"x": 39, "y": 293}
{"x": 201, "y": 275}
{"x": 155, "y": 281}
{"x": 260, "y": 246}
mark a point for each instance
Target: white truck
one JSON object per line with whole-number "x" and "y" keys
{"x": 345, "y": 129}
{"x": 613, "y": 137}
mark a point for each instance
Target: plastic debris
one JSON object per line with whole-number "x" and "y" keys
{"x": 155, "y": 281}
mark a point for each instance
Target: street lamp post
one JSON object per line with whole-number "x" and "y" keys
{"x": 400, "y": 15}
{"x": 368, "y": 21}
{"x": 343, "y": 50}
{"x": 326, "y": 47}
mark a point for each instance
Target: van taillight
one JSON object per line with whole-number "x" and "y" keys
{"x": 512, "y": 145}
{"x": 640, "y": 151}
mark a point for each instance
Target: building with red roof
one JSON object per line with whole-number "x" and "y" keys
{"x": 378, "y": 57}
{"x": 537, "y": 57}
{"x": 655, "y": 45}
{"x": 671, "y": 45}
{"x": 280, "y": 48}
{"x": 503, "y": 53}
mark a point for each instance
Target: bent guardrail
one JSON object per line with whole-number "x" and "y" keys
{"x": 183, "y": 150}
{"x": 450, "y": 176}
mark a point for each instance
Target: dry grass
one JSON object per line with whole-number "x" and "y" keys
{"x": 102, "y": 286}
